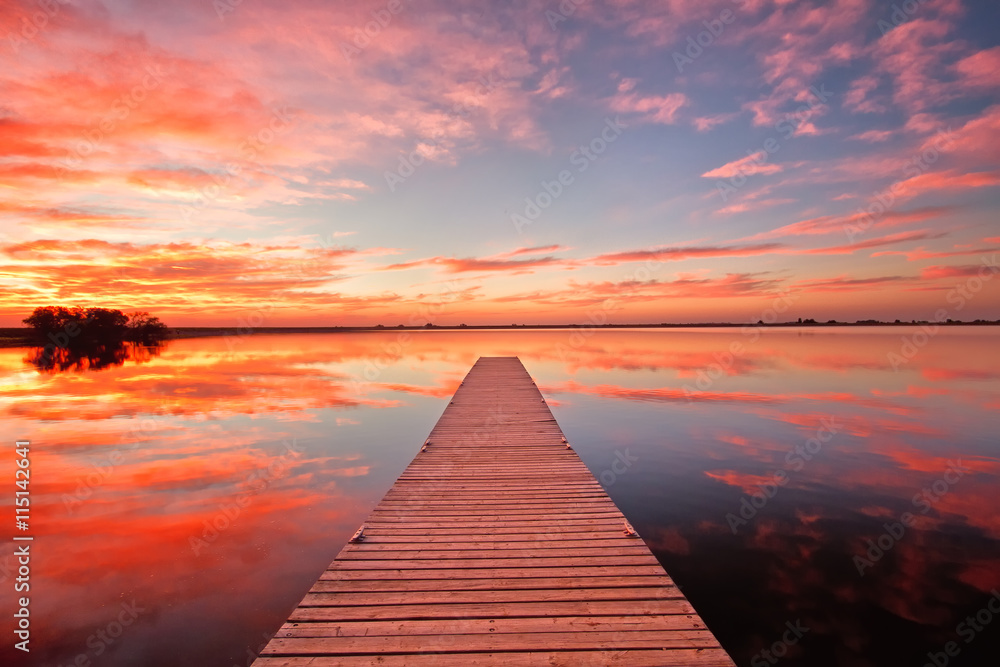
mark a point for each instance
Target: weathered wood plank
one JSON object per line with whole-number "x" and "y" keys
{"x": 606, "y": 526}
{"x": 496, "y": 610}
{"x": 313, "y": 599}
{"x": 709, "y": 657}
{"x": 496, "y": 561}
{"x": 339, "y": 585}
{"x": 593, "y": 640}
{"x": 472, "y": 542}
{"x": 497, "y": 573}
{"x": 388, "y": 536}
{"x": 491, "y": 625}
{"x": 362, "y": 552}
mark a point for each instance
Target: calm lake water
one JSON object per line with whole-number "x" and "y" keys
{"x": 183, "y": 503}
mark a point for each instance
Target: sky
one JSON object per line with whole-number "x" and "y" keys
{"x": 256, "y": 163}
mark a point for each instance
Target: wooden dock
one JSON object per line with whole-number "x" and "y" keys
{"x": 496, "y": 546}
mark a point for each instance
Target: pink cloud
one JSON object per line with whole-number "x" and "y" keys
{"x": 830, "y": 224}
{"x": 794, "y": 43}
{"x": 873, "y": 136}
{"x": 951, "y": 180}
{"x": 650, "y": 108}
{"x": 938, "y": 272}
{"x": 706, "y": 123}
{"x": 979, "y": 71}
{"x": 913, "y": 55}
{"x": 975, "y": 141}
{"x": 754, "y": 205}
{"x": 748, "y": 166}
{"x": 859, "y": 96}
{"x": 923, "y": 123}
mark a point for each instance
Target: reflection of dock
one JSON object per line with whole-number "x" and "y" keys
{"x": 496, "y": 546}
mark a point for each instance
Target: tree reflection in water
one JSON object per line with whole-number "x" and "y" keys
{"x": 51, "y": 359}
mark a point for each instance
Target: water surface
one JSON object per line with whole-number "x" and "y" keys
{"x": 183, "y": 502}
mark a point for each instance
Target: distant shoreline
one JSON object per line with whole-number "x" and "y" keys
{"x": 23, "y": 337}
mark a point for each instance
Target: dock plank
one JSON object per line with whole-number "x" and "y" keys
{"x": 491, "y": 625}
{"x": 496, "y": 546}
{"x": 632, "y": 658}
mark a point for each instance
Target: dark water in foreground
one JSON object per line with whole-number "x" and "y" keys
{"x": 183, "y": 503}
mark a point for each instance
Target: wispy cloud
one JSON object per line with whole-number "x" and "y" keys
{"x": 665, "y": 254}
{"x": 756, "y": 163}
{"x": 830, "y": 224}
{"x": 876, "y": 242}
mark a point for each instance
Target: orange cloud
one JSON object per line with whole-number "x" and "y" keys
{"x": 179, "y": 277}
{"x": 837, "y": 224}
{"x": 938, "y": 272}
{"x": 462, "y": 265}
{"x": 891, "y": 239}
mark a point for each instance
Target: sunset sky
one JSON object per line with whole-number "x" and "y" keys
{"x": 229, "y": 161}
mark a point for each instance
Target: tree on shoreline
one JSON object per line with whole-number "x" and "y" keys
{"x": 75, "y": 328}
{"x": 145, "y": 328}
